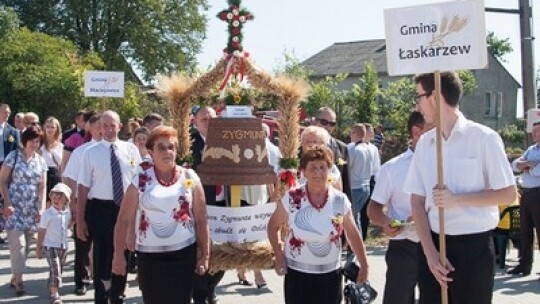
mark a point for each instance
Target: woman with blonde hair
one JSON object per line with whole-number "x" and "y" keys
{"x": 317, "y": 136}
{"x": 51, "y": 150}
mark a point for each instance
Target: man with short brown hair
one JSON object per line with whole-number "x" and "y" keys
{"x": 478, "y": 178}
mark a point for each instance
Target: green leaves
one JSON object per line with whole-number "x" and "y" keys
{"x": 499, "y": 47}
{"x": 42, "y": 73}
{"x": 157, "y": 36}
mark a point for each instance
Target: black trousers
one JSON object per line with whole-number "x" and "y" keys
{"x": 529, "y": 216}
{"x": 101, "y": 217}
{"x": 304, "y": 288}
{"x": 167, "y": 277}
{"x": 82, "y": 260}
{"x": 403, "y": 261}
{"x": 53, "y": 178}
{"x": 204, "y": 287}
{"x": 473, "y": 258}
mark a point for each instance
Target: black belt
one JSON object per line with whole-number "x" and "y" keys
{"x": 465, "y": 237}
{"x": 526, "y": 190}
{"x": 97, "y": 200}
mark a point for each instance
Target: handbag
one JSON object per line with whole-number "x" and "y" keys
{"x": 353, "y": 292}
{"x": 9, "y": 180}
{"x": 359, "y": 293}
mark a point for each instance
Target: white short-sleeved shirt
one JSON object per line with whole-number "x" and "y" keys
{"x": 95, "y": 172}
{"x": 313, "y": 243}
{"x": 73, "y": 166}
{"x": 53, "y": 158}
{"x": 389, "y": 191}
{"x": 473, "y": 161}
{"x": 56, "y": 223}
{"x": 165, "y": 220}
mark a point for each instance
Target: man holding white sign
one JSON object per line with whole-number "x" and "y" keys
{"x": 477, "y": 178}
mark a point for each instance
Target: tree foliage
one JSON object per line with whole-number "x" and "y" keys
{"x": 43, "y": 74}
{"x": 158, "y": 36}
{"x": 363, "y": 97}
{"x": 498, "y": 47}
{"x": 8, "y": 20}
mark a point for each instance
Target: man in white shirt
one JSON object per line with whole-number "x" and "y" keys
{"x": 69, "y": 177}
{"x": 477, "y": 178}
{"x": 529, "y": 206}
{"x": 404, "y": 253}
{"x": 363, "y": 163}
{"x": 107, "y": 169}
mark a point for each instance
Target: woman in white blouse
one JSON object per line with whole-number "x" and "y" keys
{"x": 163, "y": 218}
{"x": 310, "y": 137}
{"x": 316, "y": 215}
{"x": 51, "y": 150}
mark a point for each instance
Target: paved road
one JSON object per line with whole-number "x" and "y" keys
{"x": 508, "y": 289}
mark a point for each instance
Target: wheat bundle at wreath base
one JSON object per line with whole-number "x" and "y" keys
{"x": 175, "y": 90}
{"x": 241, "y": 256}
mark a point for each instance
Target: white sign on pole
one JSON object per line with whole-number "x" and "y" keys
{"x": 239, "y": 225}
{"x": 444, "y": 36}
{"x": 103, "y": 84}
{"x": 533, "y": 116}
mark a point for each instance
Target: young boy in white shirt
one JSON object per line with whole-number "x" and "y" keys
{"x": 52, "y": 237}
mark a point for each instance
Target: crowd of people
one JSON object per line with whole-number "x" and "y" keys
{"x": 123, "y": 197}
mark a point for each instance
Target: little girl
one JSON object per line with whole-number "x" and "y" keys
{"x": 52, "y": 237}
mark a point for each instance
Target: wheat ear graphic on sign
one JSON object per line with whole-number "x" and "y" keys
{"x": 457, "y": 24}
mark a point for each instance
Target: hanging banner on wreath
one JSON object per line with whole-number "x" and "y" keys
{"x": 444, "y": 36}
{"x": 239, "y": 225}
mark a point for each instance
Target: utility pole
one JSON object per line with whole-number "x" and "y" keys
{"x": 527, "y": 51}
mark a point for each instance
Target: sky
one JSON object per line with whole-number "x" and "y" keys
{"x": 306, "y": 27}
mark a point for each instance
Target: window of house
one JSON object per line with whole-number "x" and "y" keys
{"x": 493, "y": 104}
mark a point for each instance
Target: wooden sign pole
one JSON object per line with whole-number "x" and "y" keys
{"x": 235, "y": 195}
{"x": 440, "y": 179}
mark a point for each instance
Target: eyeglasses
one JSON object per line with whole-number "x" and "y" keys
{"x": 325, "y": 122}
{"x": 418, "y": 97}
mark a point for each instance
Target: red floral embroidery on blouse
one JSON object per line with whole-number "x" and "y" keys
{"x": 295, "y": 245}
{"x": 296, "y": 196}
{"x": 143, "y": 226}
{"x": 335, "y": 236}
{"x": 144, "y": 178}
{"x": 181, "y": 214}
{"x": 145, "y": 165}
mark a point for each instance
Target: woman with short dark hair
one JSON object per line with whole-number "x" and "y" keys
{"x": 163, "y": 218}
{"x": 22, "y": 183}
{"x": 316, "y": 214}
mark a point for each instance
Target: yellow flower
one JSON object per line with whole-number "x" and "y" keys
{"x": 341, "y": 162}
{"x": 336, "y": 220}
{"x": 11, "y": 139}
{"x": 237, "y": 99}
{"x": 188, "y": 183}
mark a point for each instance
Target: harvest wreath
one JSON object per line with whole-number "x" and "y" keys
{"x": 182, "y": 92}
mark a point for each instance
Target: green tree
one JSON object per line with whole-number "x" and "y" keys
{"x": 43, "y": 74}
{"x": 363, "y": 97}
{"x": 154, "y": 35}
{"x": 498, "y": 47}
{"x": 8, "y": 20}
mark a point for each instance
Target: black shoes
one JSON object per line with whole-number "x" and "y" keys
{"x": 244, "y": 281}
{"x": 80, "y": 291}
{"x": 518, "y": 270}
